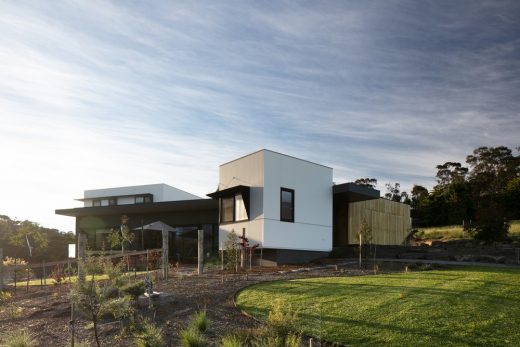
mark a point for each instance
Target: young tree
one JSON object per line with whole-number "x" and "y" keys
{"x": 94, "y": 298}
{"x": 121, "y": 236}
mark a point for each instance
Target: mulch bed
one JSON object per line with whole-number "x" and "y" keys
{"x": 46, "y": 313}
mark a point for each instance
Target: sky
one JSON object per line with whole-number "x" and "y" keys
{"x": 97, "y": 94}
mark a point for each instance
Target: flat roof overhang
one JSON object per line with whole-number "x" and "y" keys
{"x": 244, "y": 190}
{"x": 166, "y": 206}
{"x": 114, "y": 197}
{"x": 351, "y": 192}
{"x": 232, "y": 191}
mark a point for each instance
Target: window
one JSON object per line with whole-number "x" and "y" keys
{"x": 226, "y": 209}
{"x": 96, "y": 202}
{"x": 143, "y": 199}
{"x": 240, "y": 208}
{"x": 233, "y": 209}
{"x": 112, "y": 201}
{"x": 287, "y": 205}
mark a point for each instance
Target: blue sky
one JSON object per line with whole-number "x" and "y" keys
{"x": 96, "y": 94}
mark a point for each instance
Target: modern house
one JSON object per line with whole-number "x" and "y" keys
{"x": 284, "y": 204}
{"x": 180, "y": 212}
{"x": 290, "y": 207}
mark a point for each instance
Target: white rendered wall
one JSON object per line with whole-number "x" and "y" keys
{"x": 247, "y": 171}
{"x": 266, "y": 172}
{"x": 312, "y": 185}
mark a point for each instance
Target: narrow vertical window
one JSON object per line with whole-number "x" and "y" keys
{"x": 227, "y": 209}
{"x": 287, "y": 205}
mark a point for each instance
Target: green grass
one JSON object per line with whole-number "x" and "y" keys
{"x": 454, "y": 232}
{"x": 461, "y": 307}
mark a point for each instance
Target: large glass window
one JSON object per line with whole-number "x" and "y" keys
{"x": 287, "y": 205}
{"x": 226, "y": 209}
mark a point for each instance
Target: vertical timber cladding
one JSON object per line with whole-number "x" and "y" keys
{"x": 389, "y": 220}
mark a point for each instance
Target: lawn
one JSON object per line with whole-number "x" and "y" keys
{"x": 459, "y": 307}
{"x": 453, "y": 232}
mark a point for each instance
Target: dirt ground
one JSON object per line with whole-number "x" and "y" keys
{"x": 46, "y": 313}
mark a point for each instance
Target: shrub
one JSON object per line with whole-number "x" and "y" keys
{"x": 231, "y": 341}
{"x": 4, "y": 297}
{"x": 20, "y": 338}
{"x": 200, "y": 321}
{"x": 134, "y": 289}
{"x": 151, "y": 336}
{"x": 191, "y": 338}
{"x": 293, "y": 340}
{"x": 280, "y": 321}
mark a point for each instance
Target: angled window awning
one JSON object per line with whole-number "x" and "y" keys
{"x": 244, "y": 191}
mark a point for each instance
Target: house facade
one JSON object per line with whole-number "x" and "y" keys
{"x": 288, "y": 206}
{"x": 182, "y": 213}
{"x": 280, "y": 202}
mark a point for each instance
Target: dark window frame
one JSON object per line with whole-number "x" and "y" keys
{"x": 288, "y": 190}
{"x": 234, "y": 199}
{"x": 96, "y": 203}
{"x": 222, "y": 221}
{"x": 112, "y": 202}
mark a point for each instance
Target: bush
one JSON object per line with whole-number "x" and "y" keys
{"x": 200, "y": 321}
{"x": 280, "y": 321}
{"x": 134, "y": 289}
{"x": 151, "y": 336}
{"x": 4, "y": 297}
{"x": 231, "y": 341}
{"x": 191, "y": 337}
{"x": 20, "y": 338}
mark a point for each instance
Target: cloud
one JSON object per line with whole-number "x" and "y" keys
{"x": 97, "y": 94}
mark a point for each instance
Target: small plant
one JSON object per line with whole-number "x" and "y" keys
{"x": 402, "y": 295}
{"x": 150, "y": 336}
{"x": 232, "y": 251}
{"x": 13, "y": 311}
{"x": 4, "y": 297}
{"x": 231, "y": 341}
{"x": 200, "y": 321}
{"x": 20, "y": 338}
{"x": 58, "y": 275}
{"x": 279, "y": 320}
{"x": 293, "y": 340}
{"x": 191, "y": 338}
{"x": 134, "y": 289}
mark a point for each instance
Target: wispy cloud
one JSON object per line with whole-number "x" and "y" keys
{"x": 96, "y": 94}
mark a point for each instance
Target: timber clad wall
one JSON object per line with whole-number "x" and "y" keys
{"x": 389, "y": 220}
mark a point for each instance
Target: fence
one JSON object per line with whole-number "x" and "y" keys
{"x": 47, "y": 273}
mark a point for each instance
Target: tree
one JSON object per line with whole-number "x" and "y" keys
{"x": 121, "y": 236}
{"x": 94, "y": 298}
{"x": 394, "y": 193}
{"x": 366, "y": 182}
{"x": 510, "y": 197}
{"x": 450, "y": 172}
{"x": 31, "y": 235}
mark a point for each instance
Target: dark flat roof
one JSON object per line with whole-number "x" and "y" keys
{"x": 165, "y": 206}
{"x": 354, "y": 192}
{"x": 229, "y": 191}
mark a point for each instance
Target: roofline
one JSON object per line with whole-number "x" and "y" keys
{"x": 135, "y": 186}
{"x": 268, "y": 150}
{"x": 163, "y": 206}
